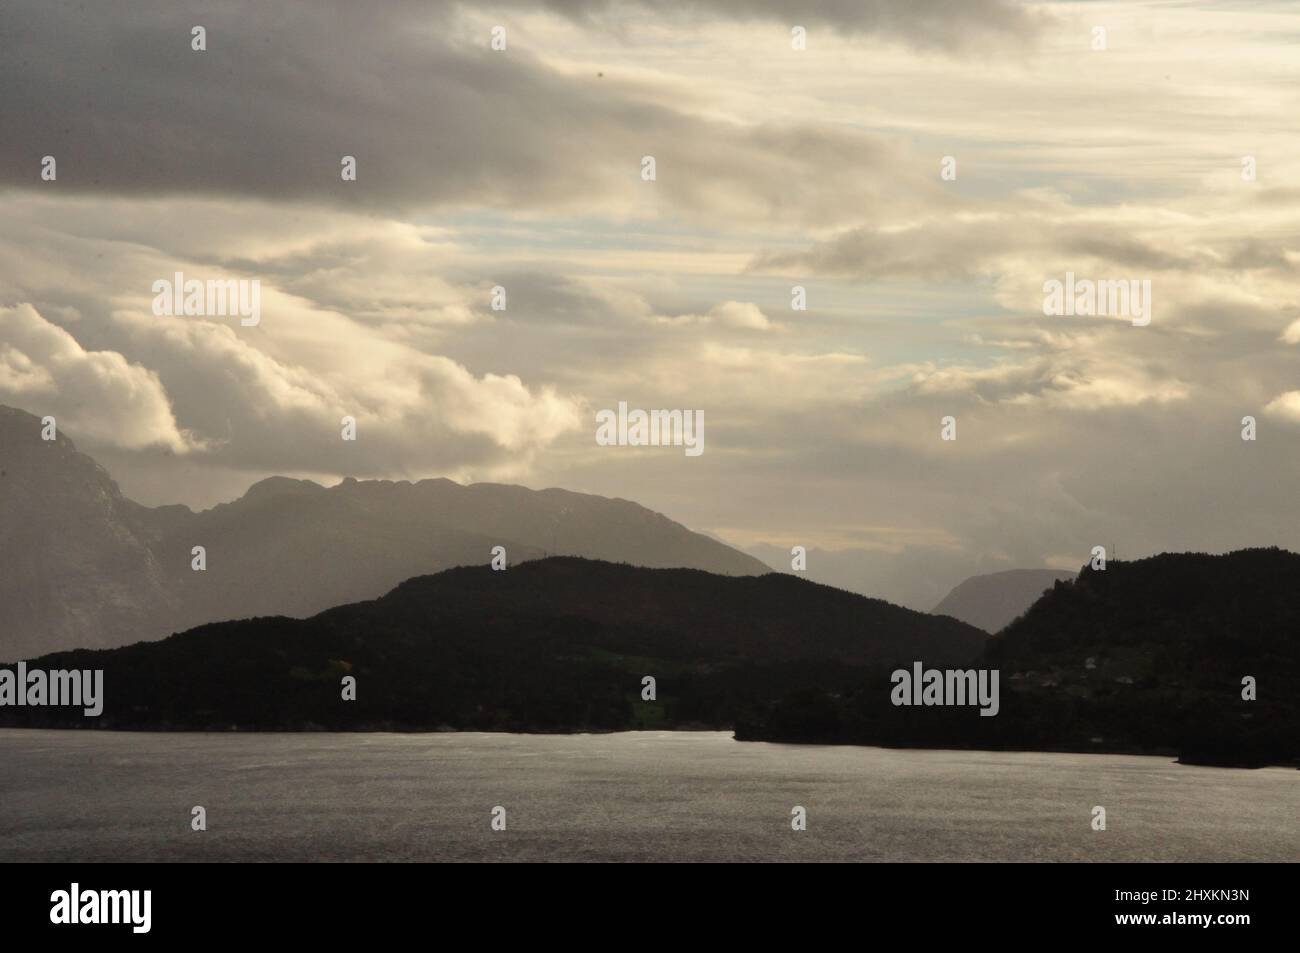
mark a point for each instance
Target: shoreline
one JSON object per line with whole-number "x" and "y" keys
{"x": 1171, "y": 754}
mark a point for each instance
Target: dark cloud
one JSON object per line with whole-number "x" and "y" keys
{"x": 114, "y": 92}
{"x": 940, "y": 24}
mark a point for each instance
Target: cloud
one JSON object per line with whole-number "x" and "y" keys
{"x": 733, "y": 315}
{"x": 43, "y": 369}
{"x": 967, "y": 247}
{"x": 1285, "y": 406}
{"x": 433, "y": 117}
{"x": 951, "y": 25}
{"x": 1071, "y": 378}
{"x": 775, "y": 168}
{"x": 270, "y": 398}
{"x": 415, "y": 412}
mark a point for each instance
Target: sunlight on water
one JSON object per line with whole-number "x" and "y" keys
{"x": 639, "y": 796}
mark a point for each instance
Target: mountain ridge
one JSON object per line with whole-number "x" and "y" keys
{"x": 1119, "y": 660}
{"x": 560, "y": 643}
{"x": 1145, "y": 656}
{"x": 84, "y": 566}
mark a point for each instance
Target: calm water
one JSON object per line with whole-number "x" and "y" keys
{"x": 78, "y": 795}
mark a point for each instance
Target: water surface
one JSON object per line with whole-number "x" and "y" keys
{"x": 633, "y": 796}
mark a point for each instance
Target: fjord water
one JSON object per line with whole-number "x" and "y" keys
{"x": 633, "y": 796}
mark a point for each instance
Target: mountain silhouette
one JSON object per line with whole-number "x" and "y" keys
{"x": 1149, "y": 656}
{"x": 1157, "y": 649}
{"x": 993, "y": 600}
{"x": 1152, "y": 657}
{"x": 560, "y": 643}
{"x": 84, "y": 567}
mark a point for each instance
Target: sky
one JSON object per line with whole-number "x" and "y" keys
{"x": 775, "y": 167}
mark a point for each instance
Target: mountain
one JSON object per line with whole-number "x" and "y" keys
{"x": 1143, "y": 656}
{"x": 555, "y": 644}
{"x": 77, "y": 563}
{"x": 991, "y": 601}
{"x": 82, "y": 566}
{"x": 1156, "y": 650}
{"x": 914, "y": 576}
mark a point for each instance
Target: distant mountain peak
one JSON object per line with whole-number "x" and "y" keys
{"x": 991, "y": 601}
{"x": 279, "y": 486}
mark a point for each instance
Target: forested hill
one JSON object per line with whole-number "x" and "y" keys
{"x": 553, "y": 644}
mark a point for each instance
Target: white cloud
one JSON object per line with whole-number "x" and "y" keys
{"x": 733, "y": 315}
{"x": 1286, "y": 406}
{"x": 44, "y": 370}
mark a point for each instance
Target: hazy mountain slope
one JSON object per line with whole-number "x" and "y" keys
{"x": 81, "y": 566}
{"x": 571, "y": 524}
{"x": 991, "y": 601}
{"x": 290, "y": 547}
{"x": 559, "y": 643}
{"x": 76, "y": 565}
{"x": 914, "y": 577}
